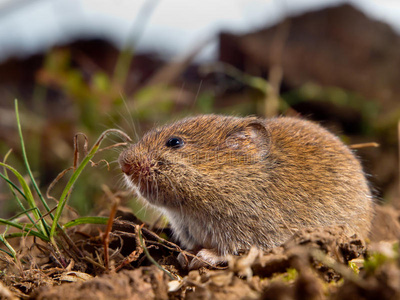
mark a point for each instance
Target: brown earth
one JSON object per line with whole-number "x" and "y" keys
{"x": 313, "y": 264}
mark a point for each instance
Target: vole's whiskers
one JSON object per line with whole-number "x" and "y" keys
{"x": 114, "y": 141}
{"x": 115, "y": 161}
{"x": 123, "y": 183}
{"x": 155, "y": 186}
{"x": 130, "y": 122}
{"x": 143, "y": 207}
{"x": 117, "y": 150}
{"x": 158, "y": 190}
{"x": 114, "y": 122}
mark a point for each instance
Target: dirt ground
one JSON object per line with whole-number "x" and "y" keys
{"x": 313, "y": 264}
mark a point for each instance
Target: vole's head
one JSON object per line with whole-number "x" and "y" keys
{"x": 194, "y": 157}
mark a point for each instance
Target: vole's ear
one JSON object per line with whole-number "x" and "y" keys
{"x": 251, "y": 136}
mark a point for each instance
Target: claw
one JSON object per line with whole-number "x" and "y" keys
{"x": 203, "y": 258}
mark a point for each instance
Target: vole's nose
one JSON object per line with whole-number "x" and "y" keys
{"x": 125, "y": 166}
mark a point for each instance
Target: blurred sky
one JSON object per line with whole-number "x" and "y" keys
{"x": 168, "y": 27}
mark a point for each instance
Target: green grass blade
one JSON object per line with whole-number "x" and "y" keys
{"x": 27, "y": 163}
{"x": 13, "y": 187}
{"x": 25, "y": 212}
{"x": 16, "y": 235}
{"x": 86, "y": 220}
{"x": 5, "y": 251}
{"x": 11, "y": 184}
{"x": 29, "y": 198}
{"x": 25, "y": 228}
{"x": 12, "y": 252}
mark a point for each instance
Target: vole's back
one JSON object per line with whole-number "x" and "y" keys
{"x": 322, "y": 180}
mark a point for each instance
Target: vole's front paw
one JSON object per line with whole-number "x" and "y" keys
{"x": 184, "y": 260}
{"x": 203, "y": 258}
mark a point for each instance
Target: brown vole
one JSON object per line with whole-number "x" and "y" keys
{"x": 228, "y": 183}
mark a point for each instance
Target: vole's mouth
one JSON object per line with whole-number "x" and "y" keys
{"x": 145, "y": 186}
{"x": 143, "y": 176}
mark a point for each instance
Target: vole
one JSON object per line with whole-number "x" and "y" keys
{"x": 229, "y": 183}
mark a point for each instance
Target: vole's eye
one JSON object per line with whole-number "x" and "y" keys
{"x": 174, "y": 142}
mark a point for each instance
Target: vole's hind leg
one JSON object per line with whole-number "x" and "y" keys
{"x": 204, "y": 258}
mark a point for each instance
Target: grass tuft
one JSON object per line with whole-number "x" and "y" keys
{"x": 35, "y": 217}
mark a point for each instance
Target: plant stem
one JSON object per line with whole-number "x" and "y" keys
{"x": 29, "y": 169}
{"x": 64, "y": 196}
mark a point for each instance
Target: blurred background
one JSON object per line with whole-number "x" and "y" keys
{"x": 89, "y": 65}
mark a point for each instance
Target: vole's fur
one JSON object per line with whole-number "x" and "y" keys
{"x": 238, "y": 182}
